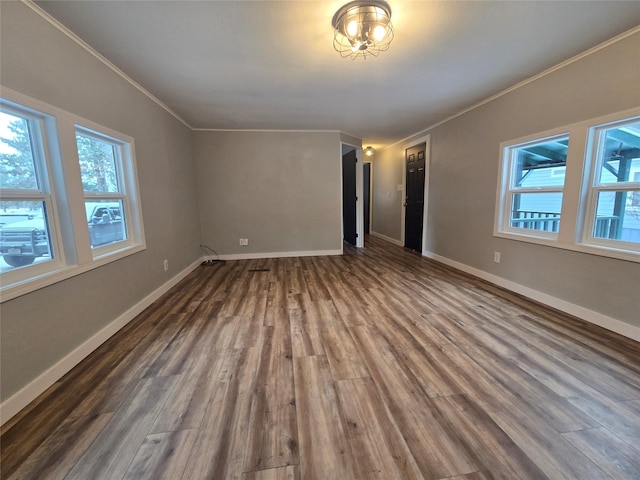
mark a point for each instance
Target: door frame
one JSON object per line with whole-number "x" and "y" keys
{"x": 426, "y": 139}
{"x": 365, "y": 219}
{"x": 359, "y": 193}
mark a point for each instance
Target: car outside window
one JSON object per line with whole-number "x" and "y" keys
{"x": 69, "y": 199}
{"x": 25, "y": 199}
{"x": 100, "y": 160}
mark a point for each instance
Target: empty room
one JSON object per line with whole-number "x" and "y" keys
{"x": 293, "y": 240}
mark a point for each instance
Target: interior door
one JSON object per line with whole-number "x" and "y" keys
{"x": 414, "y": 200}
{"x": 366, "y": 194}
{"x": 349, "y": 196}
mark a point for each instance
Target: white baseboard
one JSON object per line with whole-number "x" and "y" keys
{"x": 388, "y": 239}
{"x": 253, "y": 256}
{"x": 30, "y": 392}
{"x": 590, "y": 316}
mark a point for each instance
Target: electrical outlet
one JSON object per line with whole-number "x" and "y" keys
{"x": 496, "y": 257}
{"x": 244, "y": 242}
{"x": 166, "y": 265}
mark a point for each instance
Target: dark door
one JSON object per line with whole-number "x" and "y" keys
{"x": 414, "y": 202}
{"x": 349, "y": 196}
{"x": 366, "y": 193}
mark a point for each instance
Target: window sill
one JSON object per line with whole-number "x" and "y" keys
{"x": 13, "y": 290}
{"x": 601, "y": 251}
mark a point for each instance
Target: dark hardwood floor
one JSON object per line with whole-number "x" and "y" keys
{"x": 377, "y": 364}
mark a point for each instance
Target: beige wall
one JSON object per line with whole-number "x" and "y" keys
{"x": 463, "y": 182}
{"x": 281, "y": 190}
{"x": 41, "y": 328}
{"x": 386, "y": 198}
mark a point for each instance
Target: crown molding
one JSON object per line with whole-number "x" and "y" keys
{"x": 64, "y": 30}
{"x": 538, "y": 76}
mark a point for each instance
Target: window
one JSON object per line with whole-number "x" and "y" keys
{"x": 535, "y": 173}
{"x": 101, "y": 170}
{"x": 68, "y": 195}
{"x": 635, "y": 196}
{"x": 615, "y": 185}
{"x": 576, "y": 188}
{"x": 26, "y": 207}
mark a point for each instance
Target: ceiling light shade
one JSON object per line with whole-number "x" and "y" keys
{"x": 369, "y": 151}
{"x": 362, "y": 28}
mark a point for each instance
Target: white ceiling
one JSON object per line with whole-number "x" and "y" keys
{"x": 271, "y": 64}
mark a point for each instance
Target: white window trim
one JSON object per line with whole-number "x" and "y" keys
{"x": 125, "y": 158}
{"x": 42, "y": 153}
{"x": 593, "y": 160}
{"x": 577, "y": 207}
{"x": 502, "y": 225}
{"x": 74, "y": 255}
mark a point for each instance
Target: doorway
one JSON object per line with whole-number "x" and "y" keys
{"x": 349, "y": 198}
{"x": 366, "y": 195}
{"x": 415, "y": 164}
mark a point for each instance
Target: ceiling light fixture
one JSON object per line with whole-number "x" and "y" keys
{"x": 369, "y": 151}
{"x": 362, "y": 28}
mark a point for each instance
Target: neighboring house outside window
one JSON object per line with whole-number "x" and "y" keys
{"x": 577, "y": 187}
{"x": 635, "y": 197}
{"x": 615, "y": 184}
{"x": 535, "y": 179}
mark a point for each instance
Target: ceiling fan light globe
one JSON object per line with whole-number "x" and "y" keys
{"x": 352, "y": 28}
{"x": 379, "y": 32}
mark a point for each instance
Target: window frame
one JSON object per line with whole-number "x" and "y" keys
{"x": 578, "y": 204}
{"x": 507, "y": 189}
{"x": 595, "y": 186}
{"x": 635, "y": 200}
{"x": 44, "y": 192}
{"x": 68, "y": 227}
{"x": 123, "y": 156}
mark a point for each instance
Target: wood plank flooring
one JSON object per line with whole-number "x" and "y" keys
{"x": 378, "y": 364}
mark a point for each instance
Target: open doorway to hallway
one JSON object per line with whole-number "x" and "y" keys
{"x": 355, "y": 197}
